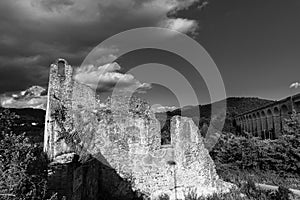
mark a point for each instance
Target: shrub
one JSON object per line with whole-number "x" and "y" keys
{"x": 246, "y": 191}
{"x": 281, "y": 155}
{"x": 23, "y": 167}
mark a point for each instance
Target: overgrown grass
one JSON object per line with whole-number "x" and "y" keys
{"x": 265, "y": 177}
{"x": 246, "y": 191}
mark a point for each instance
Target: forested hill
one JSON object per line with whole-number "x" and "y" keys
{"x": 239, "y": 105}
{"x": 235, "y": 106}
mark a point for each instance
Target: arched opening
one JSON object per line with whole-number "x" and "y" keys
{"x": 284, "y": 110}
{"x": 166, "y": 132}
{"x": 258, "y": 124}
{"x": 237, "y": 124}
{"x": 270, "y": 121}
{"x": 284, "y": 115}
{"x": 244, "y": 123}
{"x": 264, "y": 125}
{"x": 277, "y": 122}
{"x": 247, "y": 124}
{"x": 61, "y": 68}
{"x": 276, "y": 111}
{"x": 254, "y": 125}
{"x": 269, "y": 112}
{"x": 250, "y": 124}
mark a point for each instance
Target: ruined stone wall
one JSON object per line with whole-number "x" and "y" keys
{"x": 132, "y": 147}
{"x": 64, "y": 96}
{"x": 59, "y": 94}
{"x": 127, "y": 142}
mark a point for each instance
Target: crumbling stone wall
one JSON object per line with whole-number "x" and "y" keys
{"x": 64, "y": 96}
{"x": 128, "y": 142}
{"x": 156, "y": 169}
{"x": 59, "y": 96}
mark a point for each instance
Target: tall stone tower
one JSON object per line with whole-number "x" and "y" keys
{"x": 66, "y": 99}
{"x": 59, "y": 104}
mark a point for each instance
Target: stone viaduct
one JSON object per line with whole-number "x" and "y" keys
{"x": 268, "y": 121}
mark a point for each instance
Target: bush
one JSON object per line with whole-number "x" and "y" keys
{"x": 23, "y": 167}
{"x": 246, "y": 191}
{"x": 281, "y": 155}
{"x": 275, "y": 162}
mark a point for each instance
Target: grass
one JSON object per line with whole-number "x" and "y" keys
{"x": 246, "y": 191}
{"x": 265, "y": 177}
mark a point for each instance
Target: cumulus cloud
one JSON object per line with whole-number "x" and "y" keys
{"x": 33, "y": 97}
{"x": 36, "y": 103}
{"x": 181, "y": 25}
{"x": 162, "y": 109}
{"x": 107, "y": 78}
{"x": 33, "y": 33}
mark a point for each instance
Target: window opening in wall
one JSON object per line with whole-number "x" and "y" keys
{"x": 61, "y": 68}
{"x": 165, "y": 132}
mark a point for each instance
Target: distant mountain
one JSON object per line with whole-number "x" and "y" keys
{"x": 33, "y": 97}
{"x": 235, "y": 106}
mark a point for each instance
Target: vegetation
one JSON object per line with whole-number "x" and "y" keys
{"x": 23, "y": 167}
{"x": 247, "y": 191}
{"x": 239, "y": 159}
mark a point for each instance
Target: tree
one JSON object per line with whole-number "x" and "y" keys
{"x": 23, "y": 168}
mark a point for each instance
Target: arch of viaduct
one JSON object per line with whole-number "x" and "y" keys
{"x": 268, "y": 121}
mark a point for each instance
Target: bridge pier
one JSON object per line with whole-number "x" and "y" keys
{"x": 270, "y": 123}
{"x": 254, "y": 125}
{"x": 244, "y": 124}
{"x": 264, "y": 125}
{"x": 258, "y": 124}
{"x": 277, "y": 122}
{"x": 248, "y": 125}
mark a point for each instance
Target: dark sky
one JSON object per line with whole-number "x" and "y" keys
{"x": 255, "y": 44}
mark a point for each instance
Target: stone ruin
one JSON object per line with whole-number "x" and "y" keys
{"x": 128, "y": 142}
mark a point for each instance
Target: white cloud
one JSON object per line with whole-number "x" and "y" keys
{"x": 181, "y": 25}
{"x": 162, "y": 109}
{"x": 91, "y": 70}
{"x": 33, "y": 97}
{"x": 295, "y": 85}
{"x": 34, "y": 102}
{"x": 106, "y": 78}
{"x": 97, "y": 12}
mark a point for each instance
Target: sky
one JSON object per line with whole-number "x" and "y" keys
{"x": 254, "y": 44}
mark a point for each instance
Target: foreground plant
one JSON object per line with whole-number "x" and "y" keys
{"x": 23, "y": 168}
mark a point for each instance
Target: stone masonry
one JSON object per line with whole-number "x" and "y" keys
{"x": 128, "y": 142}
{"x": 268, "y": 121}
